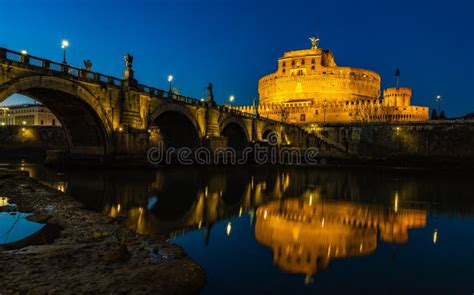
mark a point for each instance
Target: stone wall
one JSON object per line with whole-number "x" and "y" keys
{"x": 433, "y": 140}
{"x": 41, "y": 137}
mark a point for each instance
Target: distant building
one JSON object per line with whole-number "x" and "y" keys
{"x": 308, "y": 87}
{"x": 28, "y": 115}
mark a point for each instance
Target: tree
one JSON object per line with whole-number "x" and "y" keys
{"x": 434, "y": 115}
{"x": 442, "y": 116}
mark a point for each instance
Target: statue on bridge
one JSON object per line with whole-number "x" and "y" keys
{"x": 255, "y": 107}
{"x": 128, "y": 61}
{"x": 210, "y": 96}
{"x": 129, "y": 77}
{"x": 88, "y": 64}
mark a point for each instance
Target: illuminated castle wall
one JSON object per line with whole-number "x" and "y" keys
{"x": 309, "y": 87}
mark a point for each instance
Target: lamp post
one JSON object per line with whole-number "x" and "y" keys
{"x": 64, "y": 46}
{"x": 438, "y": 101}
{"x": 24, "y": 56}
{"x": 231, "y": 99}
{"x": 170, "y": 79}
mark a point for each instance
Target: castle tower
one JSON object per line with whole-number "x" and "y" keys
{"x": 397, "y": 97}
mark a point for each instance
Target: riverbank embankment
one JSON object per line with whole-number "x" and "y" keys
{"x": 92, "y": 253}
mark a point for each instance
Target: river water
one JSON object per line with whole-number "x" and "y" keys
{"x": 282, "y": 230}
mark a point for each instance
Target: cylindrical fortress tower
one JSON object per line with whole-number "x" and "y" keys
{"x": 312, "y": 74}
{"x": 397, "y": 97}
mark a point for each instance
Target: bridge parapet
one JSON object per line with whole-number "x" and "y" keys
{"x": 21, "y": 59}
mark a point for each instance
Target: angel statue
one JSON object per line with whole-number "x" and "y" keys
{"x": 210, "y": 96}
{"x": 314, "y": 42}
{"x": 255, "y": 106}
{"x": 88, "y": 64}
{"x": 128, "y": 61}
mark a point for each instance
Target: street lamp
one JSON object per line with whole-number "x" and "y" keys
{"x": 231, "y": 99}
{"x": 24, "y": 52}
{"x": 64, "y": 46}
{"x": 170, "y": 79}
{"x": 438, "y": 101}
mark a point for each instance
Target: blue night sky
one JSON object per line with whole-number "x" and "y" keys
{"x": 234, "y": 43}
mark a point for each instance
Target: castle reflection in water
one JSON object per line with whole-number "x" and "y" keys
{"x": 306, "y": 234}
{"x": 307, "y": 217}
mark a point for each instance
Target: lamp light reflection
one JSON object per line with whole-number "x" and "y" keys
{"x": 228, "y": 228}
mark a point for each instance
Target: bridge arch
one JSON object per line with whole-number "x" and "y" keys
{"x": 236, "y": 133}
{"x": 272, "y": 134}
{"x": 87, "y": 127}
{"x": 177, "y": 126}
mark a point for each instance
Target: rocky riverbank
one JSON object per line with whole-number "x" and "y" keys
{"x": 92, "y": 253}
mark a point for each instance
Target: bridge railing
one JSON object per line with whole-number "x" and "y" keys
{"x": 24, "y": 58}
{"x": 254, "y": 116}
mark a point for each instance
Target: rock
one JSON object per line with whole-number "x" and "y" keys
{"x": 117, "y": 254}
{"x": 39, "y": 218}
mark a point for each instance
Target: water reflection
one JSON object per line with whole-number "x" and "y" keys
{"x": 174, "y": 205}
{"x": 15, "y": 228}
{"x": 306, "y": 235}
{"x": 176, "y": 200}
{"x": 239, "y": 219}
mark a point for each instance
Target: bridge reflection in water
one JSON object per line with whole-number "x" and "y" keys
{"x": 215, "y": 199}
{"x": 306, "y": 235}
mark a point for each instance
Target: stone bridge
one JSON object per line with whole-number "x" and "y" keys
{"x": 107, "y": 118}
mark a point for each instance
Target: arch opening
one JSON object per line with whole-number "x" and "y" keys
{"x": 266, "y": 134}
{"x": 170, "y": 185}
{"x": 271, "y": 136}
{"x": 85, "y": 133}
{"x": 176, "y": 130}
{"x": 236, "y": 182}
{"x": 236, "y": 137}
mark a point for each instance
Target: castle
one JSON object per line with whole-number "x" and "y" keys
{"x": 308, "y": 87}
